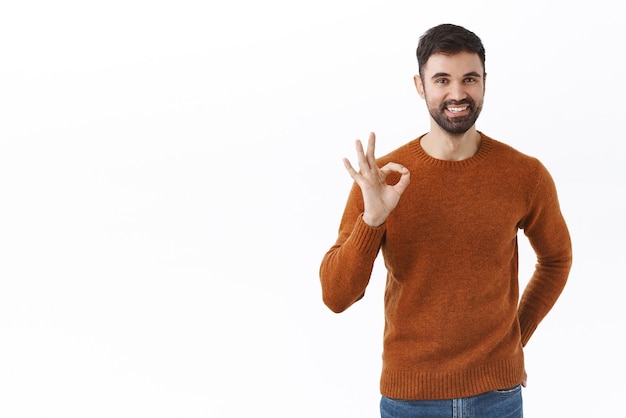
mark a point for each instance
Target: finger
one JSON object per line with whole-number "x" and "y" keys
{"x": 362, "y": 159}
{"x": 393, "y": 168}
{"x": 371, "y": 145}
{"x": 349, "y": 168}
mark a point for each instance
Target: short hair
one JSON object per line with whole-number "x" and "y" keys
{"x": 448, "y": 39}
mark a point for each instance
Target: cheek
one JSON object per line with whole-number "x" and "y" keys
{"x": 478, "y": 93}
{"x": 432, "y": 98}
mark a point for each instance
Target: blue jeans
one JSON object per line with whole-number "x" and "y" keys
{"x": 495, "y": 404}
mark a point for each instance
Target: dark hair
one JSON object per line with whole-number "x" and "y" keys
{"x": 448, "y": 39}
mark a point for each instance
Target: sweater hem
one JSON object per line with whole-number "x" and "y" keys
{"x": 417, "y": 385}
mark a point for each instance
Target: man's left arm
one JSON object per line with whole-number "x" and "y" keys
{"x": 549, "y": 237}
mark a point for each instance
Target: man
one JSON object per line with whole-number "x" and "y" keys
{"x": 445, "y": 210}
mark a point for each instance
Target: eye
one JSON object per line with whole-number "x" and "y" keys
{"x": 441, "y": 81}
{"x": 470, "y": 80}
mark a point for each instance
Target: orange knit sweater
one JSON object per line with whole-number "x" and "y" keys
{"x": 453, "y": 324}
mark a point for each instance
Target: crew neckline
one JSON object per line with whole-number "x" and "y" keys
{"x": 483, "y": 150}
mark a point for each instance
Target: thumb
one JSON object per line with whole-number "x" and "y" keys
{"x": 403, "y": 183}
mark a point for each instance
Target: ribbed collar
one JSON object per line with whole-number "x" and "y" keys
{"x": 484, "y": 149}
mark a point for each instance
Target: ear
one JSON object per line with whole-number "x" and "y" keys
{"x": 419, "y": 86}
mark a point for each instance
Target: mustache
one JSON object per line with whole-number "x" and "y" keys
{"x": 468, "y": 102}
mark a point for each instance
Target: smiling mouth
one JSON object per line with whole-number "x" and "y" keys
{"x": 457, "y": 109}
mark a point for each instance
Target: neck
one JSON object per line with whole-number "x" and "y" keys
{"x": 443, "y": 145}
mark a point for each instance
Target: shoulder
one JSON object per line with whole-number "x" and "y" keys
{"x": 524, "y": 172}
{"x": 508, "y": 155}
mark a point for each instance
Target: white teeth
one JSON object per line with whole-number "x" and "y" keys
{"x": 457, "y": 109}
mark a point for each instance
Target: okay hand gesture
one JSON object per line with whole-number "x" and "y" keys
{"x": 379, "y": 198}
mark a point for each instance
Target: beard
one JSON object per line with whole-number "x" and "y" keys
{"x": 456, "y": 125}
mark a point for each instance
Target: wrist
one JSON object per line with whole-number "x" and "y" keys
{"x": 373, "y": 221}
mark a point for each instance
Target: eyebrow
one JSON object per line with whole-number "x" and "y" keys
{"x": 470, "y": 74}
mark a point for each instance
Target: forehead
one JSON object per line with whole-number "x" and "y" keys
{"x": 457, "y": 64}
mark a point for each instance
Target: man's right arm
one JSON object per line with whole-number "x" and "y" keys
{"x": 346, "y": 268}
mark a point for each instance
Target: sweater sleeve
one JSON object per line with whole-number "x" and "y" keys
{"x": 346, "y": 267}
{"x": 549, "y": 237}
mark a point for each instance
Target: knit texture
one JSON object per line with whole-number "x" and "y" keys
{"x": 455, "y": 325}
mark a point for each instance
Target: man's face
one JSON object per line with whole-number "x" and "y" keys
{"x": 453, "y": 87}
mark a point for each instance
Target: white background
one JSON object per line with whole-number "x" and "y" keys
{"x": 171, "y": 176}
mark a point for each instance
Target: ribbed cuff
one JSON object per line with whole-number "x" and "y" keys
{"x": 366, "y": 238}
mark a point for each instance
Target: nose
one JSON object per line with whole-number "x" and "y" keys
{"x": 457, "y": 91}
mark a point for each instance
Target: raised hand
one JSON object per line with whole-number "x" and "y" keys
{"x": 379, "y": 198}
